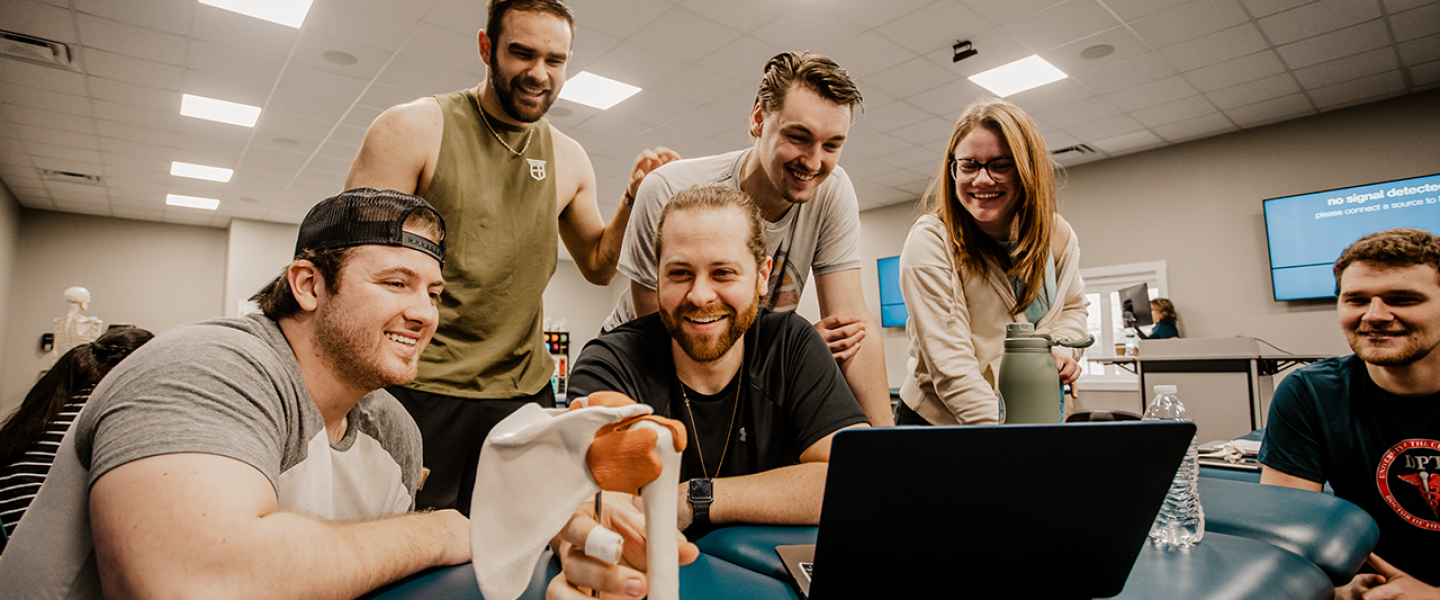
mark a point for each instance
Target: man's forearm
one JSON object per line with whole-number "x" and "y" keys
{"x": 785, "y": 496}
{"x": 602, "y": 253}
{"x": 865, "y": 372}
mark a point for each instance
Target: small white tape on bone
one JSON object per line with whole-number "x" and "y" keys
{"x": 604, "y": 544}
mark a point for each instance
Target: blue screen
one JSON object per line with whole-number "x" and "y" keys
{"x": 1306, "y": 233}
{"x": 892, "y": 303}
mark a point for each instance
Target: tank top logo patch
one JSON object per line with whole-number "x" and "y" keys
{"x": 1409, "y": 480}
{"x": 537, "y": 169}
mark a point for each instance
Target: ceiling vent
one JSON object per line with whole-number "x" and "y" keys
{"x": 1076, "y": 150}
{"x": 37, "y": 50}
{"x": 69, "y": 177}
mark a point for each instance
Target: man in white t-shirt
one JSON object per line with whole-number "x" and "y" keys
{"x": 800, "y": 121}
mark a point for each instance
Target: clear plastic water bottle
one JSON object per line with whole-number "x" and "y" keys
{"x": 1181, "y": 522}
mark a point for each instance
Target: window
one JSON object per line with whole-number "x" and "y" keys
{"x": 1102, "y": 285}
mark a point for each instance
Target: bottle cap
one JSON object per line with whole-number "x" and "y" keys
{"x": 1165, "y": 389}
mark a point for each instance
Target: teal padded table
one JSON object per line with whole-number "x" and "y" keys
{"x": 1332, "y": 533}
{"x": 1224, "y": 567}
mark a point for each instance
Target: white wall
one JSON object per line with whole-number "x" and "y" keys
{"x": 583, "y": 305}
{"x": 9, "y": 234}
{"x": 151, "y": 275}
{"x": 256, "y": 252}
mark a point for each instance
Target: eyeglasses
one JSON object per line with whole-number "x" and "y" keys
{"x": 1000, "y": 169}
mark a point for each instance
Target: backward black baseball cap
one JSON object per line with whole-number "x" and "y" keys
{"x": 367, "y": 216}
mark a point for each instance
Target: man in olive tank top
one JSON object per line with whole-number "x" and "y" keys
{"x": 507, "y": 184}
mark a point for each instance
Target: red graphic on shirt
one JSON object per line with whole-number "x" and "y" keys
{"x": 1429, "y": 489}
{"x": 1416, "y": 463}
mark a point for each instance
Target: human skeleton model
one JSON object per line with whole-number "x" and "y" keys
{"x": 538, "y": 465}
{"x": 75, "y": 327}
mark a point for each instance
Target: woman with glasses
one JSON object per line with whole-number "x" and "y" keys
{"x": 990, "y": 250}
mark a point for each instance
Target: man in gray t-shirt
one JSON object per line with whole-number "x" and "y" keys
{"x": 800, "y": 120}
{"x": 261, "y": 453}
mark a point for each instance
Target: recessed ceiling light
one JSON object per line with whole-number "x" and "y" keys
{"x": 1026, "y": 73}
{"x": 194, "y": 171}
{"x": 233, "y": 113}
{"x": 343, "y": 59}
{"x": 290, "y": 13}
{"x": 192, "y": 202}
{"x": 593, "y": 90}
{"x": 1097, "y": 51}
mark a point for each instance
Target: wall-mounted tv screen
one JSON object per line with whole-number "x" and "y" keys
{"x": 892, "y": 304}
{"x": 1307, "y": 232}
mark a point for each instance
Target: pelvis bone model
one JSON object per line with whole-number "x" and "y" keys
{"x": 538, "y": 465}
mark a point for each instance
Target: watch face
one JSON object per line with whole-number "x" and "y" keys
{"x": 700, "y": 489}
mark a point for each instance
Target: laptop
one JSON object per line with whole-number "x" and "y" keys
{"x": 1052, "y": 511}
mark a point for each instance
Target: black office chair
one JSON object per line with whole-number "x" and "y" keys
{"x": 1088, "y": 416}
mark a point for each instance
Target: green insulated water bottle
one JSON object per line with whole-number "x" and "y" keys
{"x": 1029, "y": 380}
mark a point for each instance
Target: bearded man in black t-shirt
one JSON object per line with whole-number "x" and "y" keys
{"x": 759, "y": 392}
{"x": 1369, "y": 423}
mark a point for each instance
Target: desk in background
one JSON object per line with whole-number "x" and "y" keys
{"x": 1225, "y": 383}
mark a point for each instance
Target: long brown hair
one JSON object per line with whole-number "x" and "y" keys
{"x": 1035, "y": 208}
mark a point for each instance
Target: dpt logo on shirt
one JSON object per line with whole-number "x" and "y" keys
{"x": 1409, "y": 481}
{"x": 537, "y": 169}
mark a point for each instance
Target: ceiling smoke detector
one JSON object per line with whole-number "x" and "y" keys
{"x": 37, "y": 50}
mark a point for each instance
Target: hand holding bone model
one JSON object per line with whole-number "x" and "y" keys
{"x": 538, "y": 465}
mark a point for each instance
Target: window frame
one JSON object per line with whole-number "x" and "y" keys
{"x": 1104, "y": 281}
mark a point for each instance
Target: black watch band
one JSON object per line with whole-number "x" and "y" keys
{"x": 700, "y": 495}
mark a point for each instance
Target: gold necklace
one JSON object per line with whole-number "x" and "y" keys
{"x": 529, "y": 132}
{"x": 696, "y": 426}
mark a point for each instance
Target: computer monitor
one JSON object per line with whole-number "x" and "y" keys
{"x": 1135, "y": 306}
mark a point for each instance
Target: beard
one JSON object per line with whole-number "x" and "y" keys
{"x": 1389, "y": 355}
{"x": 709, "y": 348}
{"x": 509, "y": 101}
{"x": 343, "y": 347}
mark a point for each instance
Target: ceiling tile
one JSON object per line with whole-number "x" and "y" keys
{"x": 1125, "y": 74}
{"x": 123, "y": 92}
{"x": 1262, "y": 8}
{"x": 1130, "y": 10}
{"x": 129, "y": 40}
{"x": 367, "y": 26}
{"x": 700, "y": 85}
{"x": 229, "y": 62}
{"x": 1049, "y": 96}
{"x": 1060, "y": 24}
{"x": 744, "y": 15}
{"x": 1427, "y": 74}
{"x": 1382, "y": 84}
{"x": 48, "y": 100}
{"x": 423, "y": 77}
{"x": 1351, "y": 67}
{"x": 1153, "y": 93}
{"x": 154, "y": 176}
{"x": 134, "y": 115}
{"x": 1254, "y": 91}
{"x": 806, "y": 28}
{"x": 14, "y": 72}
{"x": 72, "y": 166}
{"x": 1067, "y": 58}
{"x": 429, "y": 43}
{"x": 589, "y": 45}
{"x": 869, "y": 53}
{"x": 21, "y": 115}
{"x": 1236, "y": 71}
{"x": 1395, "y": 6}
{"x": 1172, "y": 112}
{"x": 1416, "y": 23}
{"x": 139, "y": 149}
{"x": 930, "y": 130}
{"x": 877, "y": 13}
{"x": 894, "y": 116}
{"x": 62, "y": 152}
{"x": 1220, "y": 46}
{"x": 1105, "y": 128}
{"x": 134, "y": 162}
{"x": 906, "y": 79}
{"x": 282, "y": 124}
{"x": 383, "y": 96}
{"x": 1419, "y": 51}
{"x": 215, "y": 85}
{"x": 639, "y": 66}
{"x": 1189, "y": 21}
{"x": 1128, "y": 143}
{"x": 464, "y": 16}
{"x": 55, "y": 136}
{"x": 1076, "y": 113}
{"x": 170, "y": 16}
{"x": 948, "y": 100}
{"x": 136, "y": 133}
{"x": 1270, "y": 110}
{"x": 704, "y": 120}
{"x": 324, "y": 84}
{"x": 938, "y": 25}
{"x": 311, "y": 48}
{"x": 682, "y": 33}
{"x": 652, "y": 107}
{"x": 618, "y": 18}
{"x": 1336, "y": 44}
{"x": 865, "y": 144}
{"x": 247, "y": 34}
{"x": 100, "y": 63}
{"x": 1316, "y": 18}
{"x": 1009, "y": 10}
{"x": 40, "y": 20}
{"x": 743, "y": 59}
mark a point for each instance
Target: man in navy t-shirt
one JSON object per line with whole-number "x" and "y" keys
{"x": 1369, "y": 423}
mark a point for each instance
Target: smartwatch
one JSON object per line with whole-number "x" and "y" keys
{"x": 700, "y": 495}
